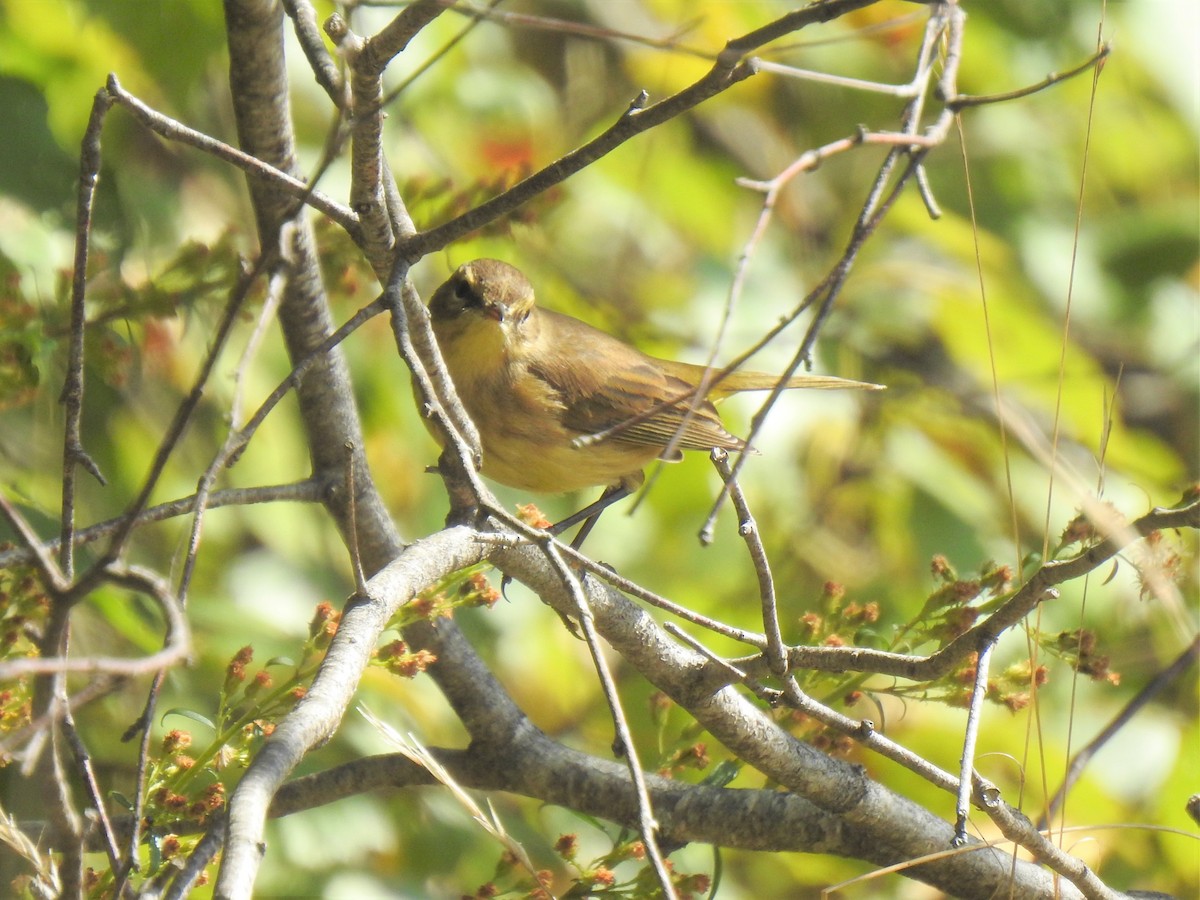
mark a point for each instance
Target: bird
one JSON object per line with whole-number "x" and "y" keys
{"x": 560, "y": 405}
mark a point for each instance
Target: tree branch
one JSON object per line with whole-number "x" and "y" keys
{"x": 902, "y": 830}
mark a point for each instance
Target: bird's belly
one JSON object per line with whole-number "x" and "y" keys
{"x": 552, "y": 465}
{"x": 525, "y": 444}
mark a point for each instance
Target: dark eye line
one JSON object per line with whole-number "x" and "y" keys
{"x": 465, "y": 293}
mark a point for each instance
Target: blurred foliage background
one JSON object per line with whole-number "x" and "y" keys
{"x": 1081, "y": 199}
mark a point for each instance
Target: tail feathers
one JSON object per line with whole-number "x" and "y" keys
{"x": 760, "y": 381}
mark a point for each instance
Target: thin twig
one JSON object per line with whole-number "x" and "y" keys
{"x": 175, "y": 649}
{"x": 476, "y": 16}
{"x": 179, "y": 422}
{"x": 72, "y": 392}
{"x": 965, "y": 101}
{"x": 35, "y": 551}
{"x": 91, "y": 786}
{"x": 578, "y": 29}
{"x": 366, "y": 154}
{"x": 1037, "y": 589}
{"x": 632, "y": 588}
{"x": 827, "y": 290}
{"x": 325, "y": 70}
{"x": 198, "y": 860}
{"x": 770, "y": 696}
{"x": 648, "y": 826}
{"x": 276, "y": 286}
{"x": 635, "y": 590}
{"x": 356, "y": 563}
{"x": 308, "y": 490}
{"x": 894, "y": 90}
{"x": 293, "y": 378}
{"x": 1149, "y": 691}
{"x": 864, "y": 731}
{"x": 98, "y": 687}
{"x": 966, "y": 767}
{"x": 776, "y": 652}
{"x": 256, "y": 168}
{"x": 381, "y": 48}
{"x": 373, "y": 193}
{"x": 142, "y": 726}
{"x": 730, "y": 68}
{"x": 871, "y": 213}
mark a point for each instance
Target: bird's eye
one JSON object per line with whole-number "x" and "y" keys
{"x": 465, "y": 294}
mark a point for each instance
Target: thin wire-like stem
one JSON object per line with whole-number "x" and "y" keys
{"x": 1060, "y": 383}
{"x": 1109, "y": 414}
{"x": 95, "y": 795}
{"x": 1096, "y": 61}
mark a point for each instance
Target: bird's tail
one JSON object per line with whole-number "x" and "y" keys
{"x": 737, "y": 381}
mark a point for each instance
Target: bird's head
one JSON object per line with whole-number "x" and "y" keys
{"x": 484, "y": 289}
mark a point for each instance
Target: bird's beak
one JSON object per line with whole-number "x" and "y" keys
{"x": 494, "y": 311}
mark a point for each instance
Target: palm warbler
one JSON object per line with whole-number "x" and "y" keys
{"x": 538, "y": 384}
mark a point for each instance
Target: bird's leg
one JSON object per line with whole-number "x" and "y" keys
{"x": 590, "y": 514}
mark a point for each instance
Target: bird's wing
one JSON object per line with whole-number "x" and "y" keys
{"x": 626, "y": 401}
{"x": 605, "y": 384}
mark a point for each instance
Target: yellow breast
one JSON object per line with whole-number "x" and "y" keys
{"x": 518, "y": 417}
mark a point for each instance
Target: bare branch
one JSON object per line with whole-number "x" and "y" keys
{"x": 965, "y": 101}
{"x": 750, "y": 733}
{"x": 72, "y": 392}
{"x": 1034, "y": 591}
{"x": 325, "y": 70}
{"x": 316, "y": 716}
{"x": 175, "y": 649}
{"x": 970, "y": 737}
{"x": 730, "y": 69}
{"x": 252, "y": 166}
{"x": 625, "y": 747}
{"x": 308, "y": 491}
{"x": 775, "y": 653}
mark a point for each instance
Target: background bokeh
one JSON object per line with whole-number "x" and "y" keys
{"x": 1084, "y": 199}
